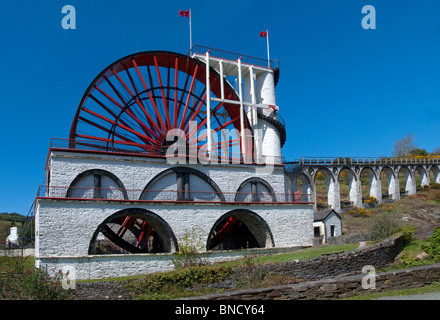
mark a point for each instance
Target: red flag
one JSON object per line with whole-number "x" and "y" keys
{"x": 183, "y": 13}
{"x": 263, "y": 34}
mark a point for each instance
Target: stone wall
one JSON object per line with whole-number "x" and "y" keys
{"x": 329, "y": 271}
{"x": 135, "y": 172}
{"x": 349, "y": 238}
{"x": 377, "y": 255}
{"x": 65, "y": 229}
{"x": 338, "y": 288}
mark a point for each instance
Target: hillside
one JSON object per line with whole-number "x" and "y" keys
{"x": 16, "y": 217}
{"x": 421, "y": 210}
{"x": 8, "y": 220}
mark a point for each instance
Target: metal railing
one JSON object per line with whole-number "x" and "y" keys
{"x": 362, "y": 161}
{"x": 148, "y": 195}
{"x": 233, "y": 56}
{"x": 216, "y": 157}
{"x": 101, "y": 146}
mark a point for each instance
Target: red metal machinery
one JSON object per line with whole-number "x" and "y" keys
{"x": 138, "y": 99}
{"x": 223, "y": 231}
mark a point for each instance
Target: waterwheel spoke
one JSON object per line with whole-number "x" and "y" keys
{"x": 138, "y": 99}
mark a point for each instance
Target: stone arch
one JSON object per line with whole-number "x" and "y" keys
{"x": 423, "y": 176}
{"x": 182, "y": 188}
{"x": 373, "y": 189}
{"x": 239, "y": 229}
{"x": 435, "y": 171}
{"x": 97, "y": 184}
{"x": 352, "y": 194}
{"x": 328, "y": 197}
{"x": 255, "y": 190}
{"x": 390, "y": 187}
{"x": 132, "y": 230}
{"x": 303, "y": 188}
{"x": 406, "y": 180}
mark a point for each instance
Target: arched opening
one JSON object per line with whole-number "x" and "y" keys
{"x": 388, "y": 184}
{"x": 421, "y": 177}
{"x": 369, "y": 183}
{"x": 434, "y": 175}
{"x": 97, "y": 184}
{"x": 347, "y": 189}
{"x": 302, "y": 189}
{"x": 133, "y": 230}
{"x": 255, "y": 190}
{"x": 239, "y": 229}
{"x": 405, "y": 179}
{"x": 182, "y": 184}
{"x": 324, "y": 188}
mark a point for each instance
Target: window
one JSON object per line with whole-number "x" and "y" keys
{"x": 332, "y": 231}
{"x": 316, "y": 232}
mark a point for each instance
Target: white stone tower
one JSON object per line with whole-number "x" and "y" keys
{"x": 255, "y": 85}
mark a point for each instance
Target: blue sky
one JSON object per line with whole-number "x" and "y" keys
{"x": 343, "y": 90}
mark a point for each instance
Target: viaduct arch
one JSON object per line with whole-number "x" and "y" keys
{"x": 383, "y": 177}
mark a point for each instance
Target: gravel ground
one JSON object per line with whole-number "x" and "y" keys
{"x": 101, "y": 290}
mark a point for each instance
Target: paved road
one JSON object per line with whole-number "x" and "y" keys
{"x": 422, "y": 296}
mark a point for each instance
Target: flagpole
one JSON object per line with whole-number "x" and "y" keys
{"x": 268, "y": 56}
{"x": 190, "y": 31}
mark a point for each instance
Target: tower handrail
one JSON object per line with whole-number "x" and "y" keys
{"x": 233, "y": 56}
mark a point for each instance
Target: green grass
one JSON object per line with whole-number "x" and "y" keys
{"x": 301, "y": 254}
{"x": 308, "y": 253}
{"x": 434, "y": 287}
{"x": 181, "y": 283}
{"x": 195, "y": 281}
{"x": 15, "y": 264}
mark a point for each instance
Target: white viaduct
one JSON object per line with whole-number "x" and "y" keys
{"x": 303, "y": 172}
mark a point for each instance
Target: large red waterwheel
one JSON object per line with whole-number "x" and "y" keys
{"x": 136, "y": 100}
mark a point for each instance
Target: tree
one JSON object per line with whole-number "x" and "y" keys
{"x": 403, "y": 147}
{"x": 436, "y": 151}
{"x": 418, "y": 152}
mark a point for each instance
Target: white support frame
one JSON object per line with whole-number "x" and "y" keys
{"x": 240, "y": 68}
{"x": 240, "y": 96}
{"x": 208, "y": 105}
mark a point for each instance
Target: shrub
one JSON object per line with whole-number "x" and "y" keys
{"x": 371, "y": 200}
{"x": 408, "y": 261}
{"x": 435, "y": 186}
{"x": 248, "y": 275}
{"x": 435, "y": 196}
{"x": 389, "y": 208}
{"x": 432, "y": 248}
{"x": 408, "y": 234}
{"x": 384, "y": 226}
{"x": 359, "y": 212}
{"x": 31, "y": 284}
{"x": 167, "y": 285}
{"x": 188, "y": 255}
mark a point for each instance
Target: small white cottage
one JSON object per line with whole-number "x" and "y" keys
{"x": 326, "y": 224}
